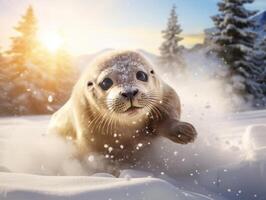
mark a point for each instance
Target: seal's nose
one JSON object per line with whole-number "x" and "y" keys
{"x": 129, "y": 94}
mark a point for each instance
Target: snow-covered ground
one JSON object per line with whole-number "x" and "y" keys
{"x": 26, "y": 153}
{"x": 25, "y": 187}
{"x": 23, "y": 154}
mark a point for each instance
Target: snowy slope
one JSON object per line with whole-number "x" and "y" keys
{"x": 25, "y": 187}
{"x": 132, "y": 184}
{"x": 20, "y": 186}
{"x": 245, "y": 180}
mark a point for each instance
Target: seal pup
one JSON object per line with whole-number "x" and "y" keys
{"x": 119, "y": 106}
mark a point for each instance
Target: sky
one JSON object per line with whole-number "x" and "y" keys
{"x": 88, "y": 26}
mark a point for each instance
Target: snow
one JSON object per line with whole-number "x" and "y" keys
{"x": 131, "y": 184}
{"x": 18, "y": 181}
{"x": 22, "y": 186}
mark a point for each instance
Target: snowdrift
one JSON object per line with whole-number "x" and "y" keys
{"x": 239, "y": 180}
{"x": 23, "y": 156}
{"x": 25, "y": 187}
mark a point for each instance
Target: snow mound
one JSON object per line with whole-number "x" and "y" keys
{"x": 25, "y": 187}
{"x": 254, "y": 141}
{"x": 35, "y": 153}
{"x": 32, "y": 151}
{"x": 256, "y": 136}
{"x": 243, "y": 180}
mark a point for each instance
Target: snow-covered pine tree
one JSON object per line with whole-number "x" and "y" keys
{"x": 170, "y": 50}
{"x": 262, "y": 77}
{"x": 263, "y": 50}
{"x": 234, "y": 43}
{"x": 258, "y": 82}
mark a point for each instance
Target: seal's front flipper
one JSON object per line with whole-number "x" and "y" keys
{"x": 179, "y": 132}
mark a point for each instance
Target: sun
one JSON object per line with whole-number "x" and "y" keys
{"x": 52, "y": 40}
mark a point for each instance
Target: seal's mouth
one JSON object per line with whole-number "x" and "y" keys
{"x": 132, "y": 109}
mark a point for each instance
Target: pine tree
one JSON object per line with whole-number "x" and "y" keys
{"x": 170, "y": 50}
{"x": 263, "y": 51}
{"x": 1, "y": 56}
{"x": 24, "y": 46}
{"x": 34, "y": 80}
{"x": 66, "y": 75}
{"x": 5, "y": 84}
{"x": 2, "y": 86}
{"x": 262, "y": 76}
{"x": 27, "y": 92}
{"x": 21, "y": 53}
{"x": 234, "y": 43}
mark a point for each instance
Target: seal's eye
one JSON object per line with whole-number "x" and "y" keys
{"x": 142, "y": 76}
{"x": 106, "y": 83}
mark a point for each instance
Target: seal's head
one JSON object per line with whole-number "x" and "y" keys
{"x": 122, "y": 84}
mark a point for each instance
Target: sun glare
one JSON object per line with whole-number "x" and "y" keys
{"x": 52, "y": 40}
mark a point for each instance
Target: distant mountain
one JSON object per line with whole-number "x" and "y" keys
{"x": 260, "y": 19}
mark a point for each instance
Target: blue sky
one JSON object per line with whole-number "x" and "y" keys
{"x": 90, "y": 25}
{"x": 193, "y": 14}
